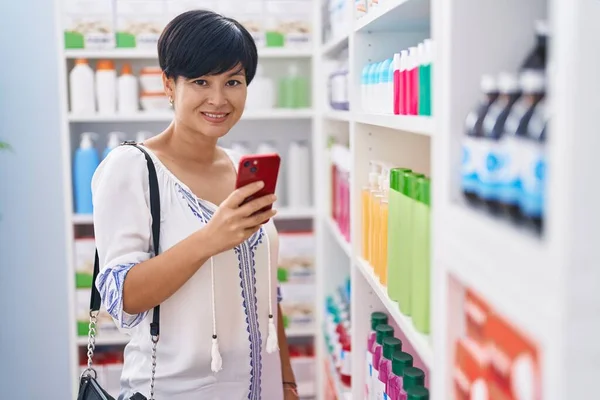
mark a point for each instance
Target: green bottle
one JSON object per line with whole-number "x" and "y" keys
{"x": 413, "y": 377}
{"x": 409, "y": 186}
{"x": 417, "y": 393}
{"x": 425, "y": 53}
{"x": 293, "y": 90}
{"x": 394, "y": 232}
{"x": 421, "y": 273}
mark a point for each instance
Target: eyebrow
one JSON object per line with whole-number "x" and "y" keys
{"x": 238, "y": 72}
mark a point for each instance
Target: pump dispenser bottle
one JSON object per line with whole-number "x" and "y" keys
{"x": 84, "y": 165}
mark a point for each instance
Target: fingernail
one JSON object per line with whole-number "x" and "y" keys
{"x": 260, "y": 184}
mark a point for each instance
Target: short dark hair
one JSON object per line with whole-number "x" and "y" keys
{"x": 201, "y": 42}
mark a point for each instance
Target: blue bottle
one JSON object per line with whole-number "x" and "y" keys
{"x": 84, "y": 165}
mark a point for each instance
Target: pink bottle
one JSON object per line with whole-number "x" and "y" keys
{"x": 397, "y": 102}
{"x": 404, "y": 82}
{"x": 413, "y": 92}
{"x": 377, "y": 318}
{"x": 412, "y": 377}
{"x": 390, "y": 345}
{"x": 400, "y": 361}
{"x": 383, "y": 331}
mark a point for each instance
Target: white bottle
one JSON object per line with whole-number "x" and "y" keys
{"x": 114, "y": 139}
{"x": 240, "y": 148}
{"x": 81, "y": 88}
{"x": 128, "y": 91}
{"x": 106, "y": 87}
{"x": 298, "y": 175}
{"x": 141, "y": 136}
{"x": 261, "y": 92}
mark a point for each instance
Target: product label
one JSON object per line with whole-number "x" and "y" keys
{"x": 533, "y": 179}
{"x": 489, "y": 170}
{"x": 509, "y": 185}
{"x": 379, "y": 389}
{"x": 471, "y": 152}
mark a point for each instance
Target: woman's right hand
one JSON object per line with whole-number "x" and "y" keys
{"x": 233, "y": 223}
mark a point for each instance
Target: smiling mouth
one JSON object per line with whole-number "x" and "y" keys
{"x": 215, "y": 117}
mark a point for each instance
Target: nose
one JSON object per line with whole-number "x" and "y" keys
{"x": 217, "y": 97}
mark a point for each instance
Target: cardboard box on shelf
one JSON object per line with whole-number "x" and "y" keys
{"x": 296, "y": 257}
{"x": 139, "y": 23}
{"x": 89, "y": 24}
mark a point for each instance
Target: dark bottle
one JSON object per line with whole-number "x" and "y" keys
{"x": 489, "y": 169}
{"x": 537, "y": 58}
{"x": 512, "y": 144}
{"x": 471, "y": 146}
{"x": 532, "y": 200}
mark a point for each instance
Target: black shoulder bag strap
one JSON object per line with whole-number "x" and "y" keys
{"x": 95, "y": 300}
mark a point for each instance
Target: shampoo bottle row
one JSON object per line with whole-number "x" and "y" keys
{"x": 389, "y": 371}
{"x": 396, "y": 237}
{"x": 400, "y": 85}
{"x": 338, "y": 332}
{"x": 340, "y": 188}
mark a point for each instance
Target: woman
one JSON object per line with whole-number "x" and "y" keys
{"x": 216, "y": 268}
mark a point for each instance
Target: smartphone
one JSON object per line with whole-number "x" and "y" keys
{"x": 259, "y": 167}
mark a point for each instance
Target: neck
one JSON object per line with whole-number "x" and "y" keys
{"x": 189, "y": 145}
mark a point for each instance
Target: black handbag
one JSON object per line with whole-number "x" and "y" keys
{"x": 89, "y": 389}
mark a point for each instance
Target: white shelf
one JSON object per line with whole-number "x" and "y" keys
{"x": 392, "y": 14}
{"x": 342, "y": 391}
{"x": 334, "y": 46}
{"x": 414, "y": 124}
{"x": 166, "y": 116}
{"x": 347, "y": 247}
{"x": 421, "y": 343}
{"x": 112, "y": 339}
{"x": 151, "y": 54}
{"x": 83, "y": 219}
{"x": 300, "y": 332}
{"x": 338, "y": 115}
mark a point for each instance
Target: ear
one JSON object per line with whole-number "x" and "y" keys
{"x": 169, "y": 85}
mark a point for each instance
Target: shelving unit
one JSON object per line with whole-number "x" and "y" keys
{"x": 127, "y": 54}
{"x": 167, "y": 116}
{"x": 540, "y": 284}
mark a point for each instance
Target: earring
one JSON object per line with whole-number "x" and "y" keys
{"x": 171, "y": 101}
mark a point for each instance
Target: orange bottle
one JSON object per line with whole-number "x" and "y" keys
{"x": 366, "y": 212}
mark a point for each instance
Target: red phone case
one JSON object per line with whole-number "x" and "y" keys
{"x": 259, "y": 167}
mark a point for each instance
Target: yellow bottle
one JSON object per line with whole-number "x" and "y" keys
{"x": 376, "y": 191}
{"x": 366, "y": 212}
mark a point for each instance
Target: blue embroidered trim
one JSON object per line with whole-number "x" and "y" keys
{"x": 246, "y": 261}
{"x": 110, "y": 285}
{"x": 279, "y": 295}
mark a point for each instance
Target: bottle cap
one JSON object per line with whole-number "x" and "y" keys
{"x": 105, "y": 65}
{"x": 87, "y": 140}
{"x": 391, "y": 345}
{"x": 413, "y": 185}
{"x": 378, "y": 318}
{"x": 488, "y": 84}
{"x": 413, "y": 377}
{"x": 397, "y": 62}
{"x": 508, "y": 83}
{"x": 151, "y": 71}
{"x": 383, "y": 331}
{"x": 126, "y": 69}
{"x": 81, "y": 61}
{"x": 424, "y": 191}
{"x": 403, "y": 182}
{"x": 533, "y": 81}
{"x": 395, "y": 174}
{"x": 417, "y": 393}
{"x": 401, "y": 361}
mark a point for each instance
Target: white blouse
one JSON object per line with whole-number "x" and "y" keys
{"x": 122, "y": 224}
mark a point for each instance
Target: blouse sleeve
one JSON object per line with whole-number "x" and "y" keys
{"x": 122, "y": 226}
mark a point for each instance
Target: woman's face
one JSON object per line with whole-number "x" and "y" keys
{"x": 210, "y": 105}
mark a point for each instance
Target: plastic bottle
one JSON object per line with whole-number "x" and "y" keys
{"x": 537, "y": 59}
{"x": 106, "y": 87}
{"x": 425, "y": 79}
{"x": 141, "y": 136}
{"x": 376, "y": 232}
{"x": 404, "y": 82}
{"x": 394, "y": 233}
{"x": 383, "y": 237}
{"x": 371, "y": 88}
{"x": 383, "y": 331}
{"x": 396, "y": 83}
{"x": 417, "y": 393}
{"x": 293, "y": 89}
{"x": 81, "y": 88}
{"x": 397, "y": 273}
{"x": 84, "y": 165}
{"x": 346, "y": 370}
{"x": 382, "y": 86}
{"x": 490, "y": 168}
{"x": 421, "y": 272}
{"x": 389, "y": 92}
{"x": 298, "y": 175}
{"x": 261, "y": 93}
{"x": 377, "y": 318}
{"x": 413, "y": 377}
{"x": 413, "y": 84}
{"x": 390, "y": 346}
{"x": 533, "y": 87}
{"x": 128, "y": 91}
{"x": 400, "y": 361}
{"x": 472, "y": 144}
{"x": 533, "y": 173}
{"x": 114, "y": 139}
{"x": 366, "y": 207}
{"x": 241, "y": 148}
